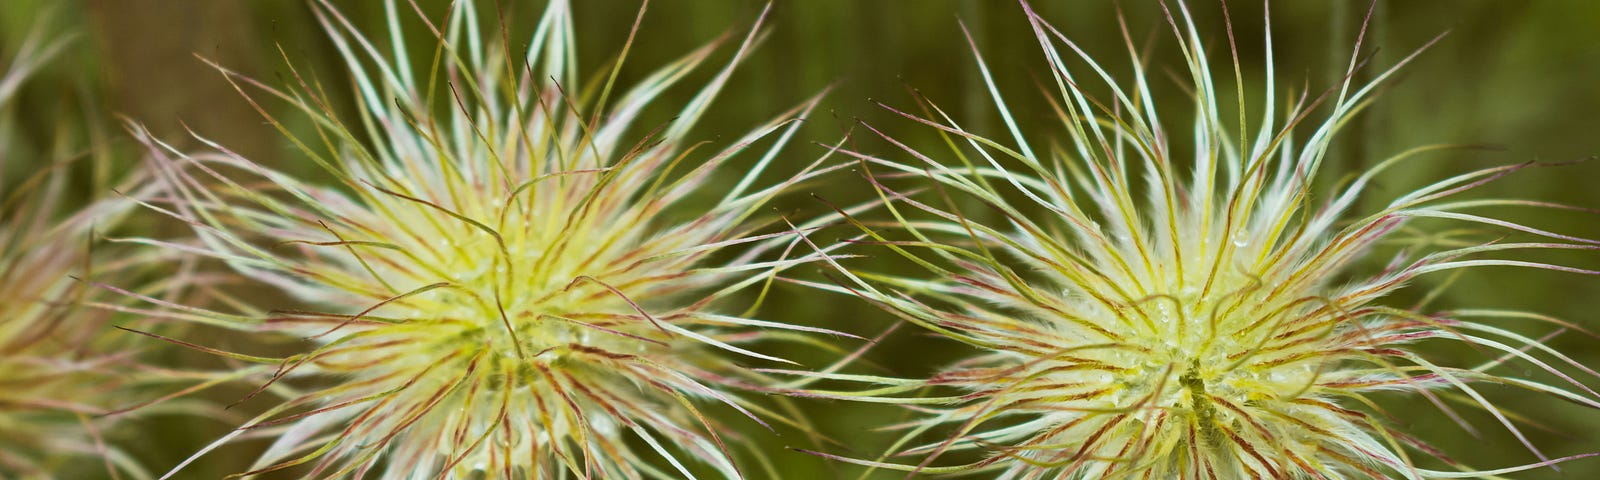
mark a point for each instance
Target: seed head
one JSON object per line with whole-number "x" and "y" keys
{"x": 502, "y": 286}
{"x": 63, "y": 369}
{"x": 1144, "y": 315}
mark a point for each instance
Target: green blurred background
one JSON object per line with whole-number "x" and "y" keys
{"x": 1520, "y": 76}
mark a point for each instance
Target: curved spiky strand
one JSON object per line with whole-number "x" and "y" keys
{"x": 504, "y": 284}
{"x": 1146, "y": 310}
{"x": 64, "y": 371}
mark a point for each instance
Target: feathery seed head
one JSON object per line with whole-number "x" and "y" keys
{"x": 1144, "y": 315}
{"x": 62, "y": 369}
{"x": 514, "y": 291}
{"x": 57, "y": 365}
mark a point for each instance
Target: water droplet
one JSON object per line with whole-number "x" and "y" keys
{"x": 1241, "y": 239}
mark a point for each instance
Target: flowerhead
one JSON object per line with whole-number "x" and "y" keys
{"x": 64, "y": 372}
{"x": 1150, "y": 310}
{"x": 504, "y": 283}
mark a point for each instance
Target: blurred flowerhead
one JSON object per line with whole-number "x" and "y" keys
{"x": 1150, "y": 310}
{"x": 63, "y": 370}
{"x": 503, "y": 284}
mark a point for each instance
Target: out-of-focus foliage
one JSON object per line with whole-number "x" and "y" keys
{"x": 1522, "y": 76}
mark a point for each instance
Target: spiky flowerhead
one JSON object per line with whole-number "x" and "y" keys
{"x": 63, "y": 370}
{"x": 505, "y": 286}
{"x": 1151, "y": 311}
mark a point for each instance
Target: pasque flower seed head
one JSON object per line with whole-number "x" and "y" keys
{"x": 1155, "y": 312}
{"x": 506, "y": 285}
